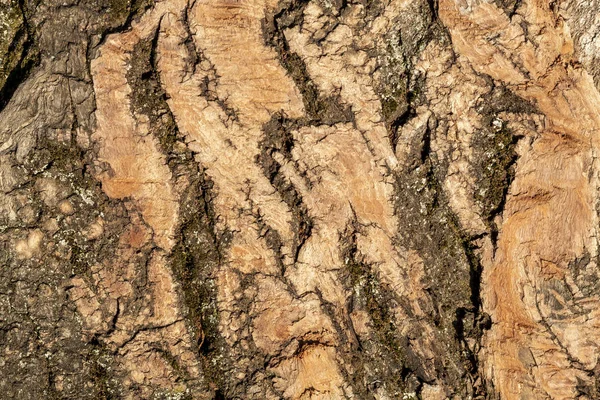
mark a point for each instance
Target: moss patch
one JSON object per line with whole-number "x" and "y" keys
{"x": 18, "y": 53}
{"x": 11, "y": 38}
{"x": 452, "y": 270}
{"x": 278, "y": 139}
{"x": 509, "y": 6}
{"x": 120, "y": 12}
{"x": 100, "y": 361}
{"x": 399, "y": 87}
{"x": 149, "y": 98}
{"x": 194, "y": 260}
{"x": 494, "y": 152}
{"x": 381, "y": 362}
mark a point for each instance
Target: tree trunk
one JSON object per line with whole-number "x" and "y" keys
{"x": 265, "y": 199}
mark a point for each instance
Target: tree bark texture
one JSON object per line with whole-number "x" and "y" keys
{"x": 299, "y": 199}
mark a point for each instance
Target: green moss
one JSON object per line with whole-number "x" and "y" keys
{"x": 383, "y": 359}
{"x": 376, "y": 299}
{"x": 11, "y": 38}
{"x": 494, "y": 169}
{"x": 193, "y": 261}
{"x": 149, "y": 98}
{"x": 509, "y": 6}
{"x": 13, "y": 43}
{"x": 119, "y": 13}
{"x": 119, "y": 9}
{"x": 393, "y": 88}
{"x": 176, "y": 394}
{"x": 394, "y": 105}
{"x": 430, "y": 227}
{"x": 122, "y": 10}
{"x": 100, "y": 362}
{"x": 494, "y": 151}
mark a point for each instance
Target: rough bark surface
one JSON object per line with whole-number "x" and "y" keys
{"x": 298, "y": 199}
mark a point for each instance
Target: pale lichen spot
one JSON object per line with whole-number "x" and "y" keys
{"x": 29, "y": 247}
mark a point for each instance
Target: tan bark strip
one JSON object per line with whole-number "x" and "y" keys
{"x": 352, "y": 166}
{"x": 137, "y": 168}
{"x": 251, "y": 79}
{"x": 137, "y": 171}
{"x": 228, "y": 151}
{"x": 549, "y": 220}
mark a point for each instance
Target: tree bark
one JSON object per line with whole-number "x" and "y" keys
{"x": 288, "y": 199}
